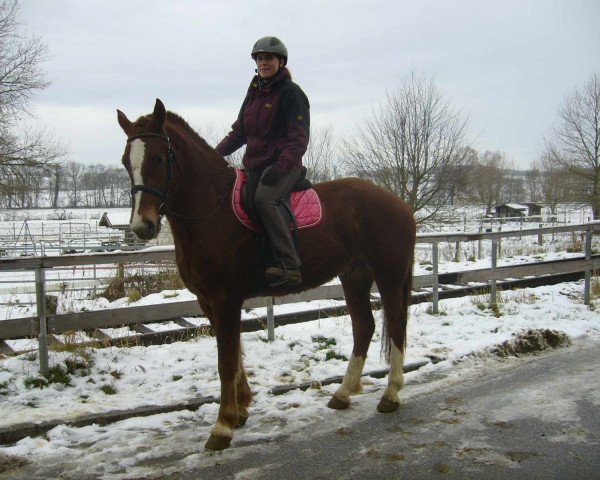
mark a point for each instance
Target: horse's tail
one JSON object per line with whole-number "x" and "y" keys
{"x": 396, "y": 304}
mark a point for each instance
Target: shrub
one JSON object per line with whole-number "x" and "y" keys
{"x": 576, "y": 247}
{"x": 56, "y": 374}
{"x": 134, "y": 295}
{"x": 137, "y": 286}
{"x": 323, "y": 342}
{"x": 108, "y": 389}
{"x": 35, "y": 382}
{"x": 332, "y": 354}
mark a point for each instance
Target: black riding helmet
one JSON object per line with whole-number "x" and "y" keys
{"x": 270, "y": 45}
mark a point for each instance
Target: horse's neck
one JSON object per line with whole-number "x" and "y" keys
{"x": 199, "y": 186}
{"x": 199, "y": 168}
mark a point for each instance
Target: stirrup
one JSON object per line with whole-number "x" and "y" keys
{"x": 283, "y": 278}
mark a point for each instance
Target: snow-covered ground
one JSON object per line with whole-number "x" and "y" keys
{"x": 102, "y": 380}
{"x": 124, "y": 378}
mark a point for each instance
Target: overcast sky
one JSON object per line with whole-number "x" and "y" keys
{"x": 506, "y": 63}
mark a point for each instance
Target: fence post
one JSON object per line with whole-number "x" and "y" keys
{"x": 270, "y": 320}
{"x": 498, "y": 244}
{"x": 493, "y": 273}
{"x": 540, "y": 237}
{"x": 40, "y": 295}
{"x": 588, "y": 272}
{"x": 435, "y": 295}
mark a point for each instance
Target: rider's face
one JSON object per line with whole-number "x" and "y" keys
{"x": 267, "y": 64}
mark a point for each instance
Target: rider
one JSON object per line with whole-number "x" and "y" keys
{"x": 274, "y": 124}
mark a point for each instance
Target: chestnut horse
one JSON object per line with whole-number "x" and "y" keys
{"x": 367, "y": 234}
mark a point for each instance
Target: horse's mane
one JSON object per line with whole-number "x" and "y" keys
{"x": 180, "y": 122}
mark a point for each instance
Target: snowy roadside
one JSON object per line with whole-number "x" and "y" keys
{"x": 125, "y": 378}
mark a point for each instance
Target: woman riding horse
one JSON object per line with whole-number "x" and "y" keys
{"x": 366, "y": 236}
{"x": 274, "y": 124}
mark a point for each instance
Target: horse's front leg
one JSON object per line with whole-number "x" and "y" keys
{"x": 244, "y": 394}
{"x": 226, "y": 322}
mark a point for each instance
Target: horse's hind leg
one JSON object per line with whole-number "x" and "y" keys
{"x": 357, "y": 284}
{"x": 395, "y": 297}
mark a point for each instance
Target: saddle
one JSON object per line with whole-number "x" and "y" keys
{"x": 301, "y": 208}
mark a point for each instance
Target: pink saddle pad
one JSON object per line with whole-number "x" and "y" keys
{"x": 305, "y": 204}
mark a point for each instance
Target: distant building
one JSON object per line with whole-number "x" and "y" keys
{"x": 535, "y": 209}
{"x": 511, "y": 210}
{"x": 518, "y": 210}
{"x": 119, "y": 221}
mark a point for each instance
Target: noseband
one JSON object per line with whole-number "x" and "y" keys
{"x": 143, "y": 188}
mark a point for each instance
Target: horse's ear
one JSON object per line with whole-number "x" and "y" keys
{"x": 126, "y": 125}
{"x": 160, "y": 113}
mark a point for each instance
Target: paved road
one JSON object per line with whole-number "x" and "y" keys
{"x": 528, "y": 418}
{"x": 535, "y": 417}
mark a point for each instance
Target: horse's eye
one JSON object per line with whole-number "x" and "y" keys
{"x": 158, "y": 158}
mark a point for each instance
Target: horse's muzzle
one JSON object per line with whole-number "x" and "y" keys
{"x": 146, "y": 230}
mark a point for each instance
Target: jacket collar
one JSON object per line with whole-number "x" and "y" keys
{"x": 282, "y": 75}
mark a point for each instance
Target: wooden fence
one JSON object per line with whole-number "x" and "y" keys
{"x": 42, "y": 323}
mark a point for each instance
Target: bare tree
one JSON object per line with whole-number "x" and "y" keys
{"x": 412, "y": 146}
{"x": 21, "y": 75}
{"x": 574, "y": 142}
{"x": 558, "y": 183}
{"x": 533, "y": 184}
{"x": 55, "y": 185}
{"x": 21, "y": 62}
{"x": 118, "y": 186}
{"x": 74, "y": 178}
{"x": 460, "y": 174}
{"x": 514, "y": 189}
{"x": 20, "y": 153}
{"x": 320, "y": 156}
{"x": 487, "y": 179}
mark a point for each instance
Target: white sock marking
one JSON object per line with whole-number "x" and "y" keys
{"x": 221, "y": 430}
{"x": 396, "y": 376}
{"x": 351, "y": 382}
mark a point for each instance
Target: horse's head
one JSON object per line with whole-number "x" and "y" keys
{"x": 148, "y": 160}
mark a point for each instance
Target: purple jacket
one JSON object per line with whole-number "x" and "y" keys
{"x": 274, "y": 124}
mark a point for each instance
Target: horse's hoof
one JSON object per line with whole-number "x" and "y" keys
{"x": 386, "y": 405}
{"x": 338, "y": 404}
{"x": 217, "y": 442}
{"x": 242, "y": 421}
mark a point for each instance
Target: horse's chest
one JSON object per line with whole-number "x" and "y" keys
{"x": 199, "y": 272}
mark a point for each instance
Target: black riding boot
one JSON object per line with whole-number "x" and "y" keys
{"x": 286, "y": 271}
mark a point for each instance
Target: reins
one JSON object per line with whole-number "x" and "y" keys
{"x": 164, "y": 195}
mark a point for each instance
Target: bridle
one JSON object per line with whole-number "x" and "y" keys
{"x": 143, "y": 188}
{"x": 164, "y": 195}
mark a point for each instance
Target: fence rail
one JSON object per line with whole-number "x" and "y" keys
{"x": 43, "y": 324}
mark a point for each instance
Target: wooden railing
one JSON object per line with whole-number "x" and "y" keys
{"x": 42, "y": 323}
